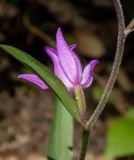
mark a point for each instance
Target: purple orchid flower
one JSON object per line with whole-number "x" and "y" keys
{"x": 67, "y": 66}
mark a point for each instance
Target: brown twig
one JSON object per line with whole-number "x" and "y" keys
{"x": 116, "y": 65}
{"x": 33, "y": 29}
{"x": 129, "y": 28}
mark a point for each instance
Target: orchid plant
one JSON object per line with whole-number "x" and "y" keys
{"x": 67, "y": 67}
{"x": 68, "y": 77}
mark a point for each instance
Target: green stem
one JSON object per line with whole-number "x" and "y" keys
{"x": 85, "y": 139}
{"x": 80, "y": 98}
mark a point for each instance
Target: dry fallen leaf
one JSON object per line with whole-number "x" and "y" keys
{"x": 89, "y": 44}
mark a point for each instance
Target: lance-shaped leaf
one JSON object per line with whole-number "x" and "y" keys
{"x": 48, "y": 77}
{"x": 61, "y": 136}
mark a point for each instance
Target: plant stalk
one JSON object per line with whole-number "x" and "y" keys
{"x": 116, "y": 66}
{"x": 85, "y": 139}
{"x": 80, "y": 98}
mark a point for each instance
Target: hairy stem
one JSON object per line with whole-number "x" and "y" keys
{"x": 116, "y": 65}
{"x": 85, "y": 139}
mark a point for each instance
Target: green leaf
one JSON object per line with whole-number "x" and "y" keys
{"x": 130, "y": 113}
{"x": 61, "y": 137}
{"x": 47, "y": 76}
{"x": 120, "y": 137}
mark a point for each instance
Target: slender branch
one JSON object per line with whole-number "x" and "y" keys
{"x": 116, "y": 65}
{"x": 129, "y": 28}
{"x": 85, "y": 139}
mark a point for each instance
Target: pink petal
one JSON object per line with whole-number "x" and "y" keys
{"x": 58, "y": 69}
{"x": 77, "y": 60}
{"x": 72, "y": 46}
{"x": 87, "y": 76}
{"x": 79, "y": 67}
{"x": 66, "y": 58}
{"x": 34, "y": 79}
